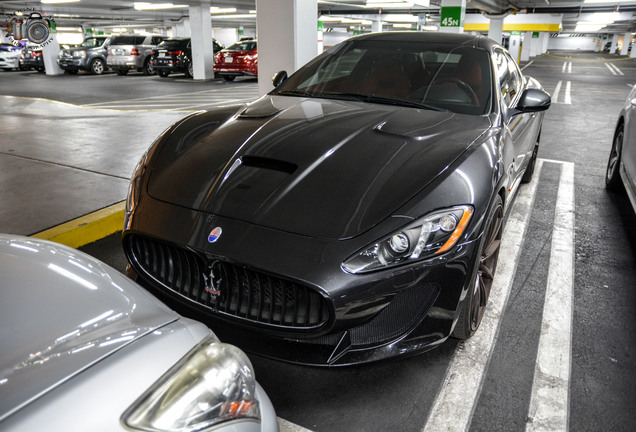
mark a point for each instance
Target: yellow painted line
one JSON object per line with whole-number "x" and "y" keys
{"x": 87, "y": 229}
{"x": 589, "y": 60}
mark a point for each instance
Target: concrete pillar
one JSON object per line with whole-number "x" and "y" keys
{"x": 614, "y": 44}
{"x": 495, "y": 30}
{"x": 201, "y": 40}
{"x": 545, "y": 38}
{"x": 50, "y": 50}
{"x": 452, "y": 15}
{"x": 376, "y": 27}
{"x": 286, "y": 33}
{"x": 181, "y": 29}
{"x": 626, "y": 38}
{"x": 535, "y": 45}
{"x": 514, "y": 46}
{"x": 525, "y": 47}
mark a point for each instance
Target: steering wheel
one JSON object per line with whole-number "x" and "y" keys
{"x": 474, "y": 99}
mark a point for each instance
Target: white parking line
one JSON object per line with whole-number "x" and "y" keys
{"x": 567, "y": 98}
{"x": 549, "y": 403}
{"x": 455, "y": 403}
{"x": 567, "y": 67}
{"x": 614, "y": 69}
{"x": 286, "y": 426}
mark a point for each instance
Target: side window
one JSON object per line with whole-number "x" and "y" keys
{"x": 156, "y": 40}
{"x": 508, "y": 76}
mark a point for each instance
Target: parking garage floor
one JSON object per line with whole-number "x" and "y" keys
{"x": 68, "y": 145}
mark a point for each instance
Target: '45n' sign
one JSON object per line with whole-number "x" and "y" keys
{"x": 451, "y": 16}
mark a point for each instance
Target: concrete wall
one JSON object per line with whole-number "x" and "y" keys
{"x": 573, "y": 42}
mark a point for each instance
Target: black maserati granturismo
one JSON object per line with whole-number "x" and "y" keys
{"x": 352, "y": 214}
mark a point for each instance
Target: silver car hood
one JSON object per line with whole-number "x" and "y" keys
{"x": 62, "y": 311}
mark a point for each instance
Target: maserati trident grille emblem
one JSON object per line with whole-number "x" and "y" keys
{"x": 213, "y": 283}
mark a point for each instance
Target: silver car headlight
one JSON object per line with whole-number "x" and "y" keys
{"x": 79, "y": 54}
{"x": 428, "y": 236}
{"x": 212, "y": 384}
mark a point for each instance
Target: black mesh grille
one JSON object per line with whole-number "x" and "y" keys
{"x": 230, "y": 289}
{"x": 406, "y": 309}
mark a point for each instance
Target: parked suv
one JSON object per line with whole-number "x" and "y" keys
{"x": 31, "y": 58}
{"x": 237, "y": 60}
{"x": 90, "y": 56}
{"x": 175, "y": 55}
{"x": 132, "y": 52}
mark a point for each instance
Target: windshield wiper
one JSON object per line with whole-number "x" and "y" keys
{"x": 378, "y": 99}
{"x": 295, "y": 93}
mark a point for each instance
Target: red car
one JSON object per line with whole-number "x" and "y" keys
{"x": 239, "y": 59}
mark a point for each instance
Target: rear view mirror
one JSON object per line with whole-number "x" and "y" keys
{"x": 532, "y": 100}
{"x": 279, "y": 78}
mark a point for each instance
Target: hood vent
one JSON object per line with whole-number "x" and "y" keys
{"x": 271, "y": 164}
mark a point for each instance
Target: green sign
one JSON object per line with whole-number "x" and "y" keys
{"x": 240, "y": 32}
{"x": 515, "y": 33}
{"x": 451, "y": 16}
{"x": 320, "y": 26}
{"x": 535, "y": 35}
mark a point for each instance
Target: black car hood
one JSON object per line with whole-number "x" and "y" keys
{"x": 315, "y": 167}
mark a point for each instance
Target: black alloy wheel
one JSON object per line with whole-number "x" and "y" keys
{"x": 527, "y": 176}
{"x": 97, "y": 66}
{"x": 474, "y": 305}
{"x": 612, "y": 175}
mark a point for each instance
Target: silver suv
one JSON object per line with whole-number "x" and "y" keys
{"x": 90, "y": 56}
{"x": 132, "y": 52}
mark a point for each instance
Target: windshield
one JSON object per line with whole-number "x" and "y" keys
{"x": 242, "y": 46}
{"x": 435, "y": 76}
{"x": 173, "y": 43}
{"x": 127, "y": 40}
{"x": 92, "y": 43}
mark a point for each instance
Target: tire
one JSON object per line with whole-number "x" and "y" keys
{"x": 189, "y": 72}
{"x": 148, "y": 69}
{"x": 97, "y": 66}
{"x": 162, "y": 73}
{"x": 527, "y": 176}
{"x": 612, "y": 174}
{"x": 228, "y": 77}
{"x": 474, "y": 305}
{"x": 71, "y": 71}
{"x": 121, "y": 72}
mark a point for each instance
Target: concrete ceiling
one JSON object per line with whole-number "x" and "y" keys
{"x": 118, "y": 13}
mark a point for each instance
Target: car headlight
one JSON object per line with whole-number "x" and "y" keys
{"x": 134, "y": 187}
{"x": 213, "y": 383}
{"x": 78, "y": 54}
{"x": 428, "y": 236}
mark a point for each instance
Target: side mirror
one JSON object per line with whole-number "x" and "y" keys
{"x": 532, "y": 100}
{"x": 279, "y": 78}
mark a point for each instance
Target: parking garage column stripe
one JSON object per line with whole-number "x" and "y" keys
{"x": 455, "y": 403}
{"x": 549, "y": 403}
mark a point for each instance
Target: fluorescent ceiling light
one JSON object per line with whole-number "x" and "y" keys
{"x": 156, "y": 6}
{"x": 406, "y": 26}
{"x": 609, "y": 1}
{"x": 429, "y": 28}
{"x": 401, "y": 18}
{"x": 582, "y": 28}
{"x": 236, "y": 16}
{"x": 220, "y": 10}
{"x": 69, "y": 29}
{"x": 58, "y": 1}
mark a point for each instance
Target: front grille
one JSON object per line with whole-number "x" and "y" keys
{"x": 229, "y": 289}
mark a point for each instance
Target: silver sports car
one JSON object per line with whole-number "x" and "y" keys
{"x": 83, "y": 348}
